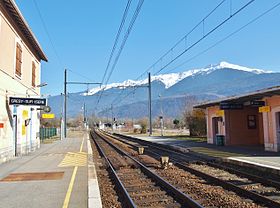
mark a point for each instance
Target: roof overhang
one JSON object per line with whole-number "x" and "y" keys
{"x": 12, "y": 9}
{"x": 257, "y": 95}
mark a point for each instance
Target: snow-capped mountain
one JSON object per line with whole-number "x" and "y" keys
{"x": 171, "y": 79}
{"x": 208, "y": 83}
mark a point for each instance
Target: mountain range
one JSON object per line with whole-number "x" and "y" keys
{"x": 171, "y": 93}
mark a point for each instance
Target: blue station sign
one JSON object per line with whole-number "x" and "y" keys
{"x": 231, "y": 106}
{"x": 27, "y": 101}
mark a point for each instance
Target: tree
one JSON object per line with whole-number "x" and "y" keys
{"x": 144, "y": 123}
{"x": 196, "y": 122}
{"x": 176, "y": 123}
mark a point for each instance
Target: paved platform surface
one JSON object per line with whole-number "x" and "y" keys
{"x": 53, "y": 176}
{"x": 251, "y": 155}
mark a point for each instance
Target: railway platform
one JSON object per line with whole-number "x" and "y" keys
{"x": 56, "y": 175}
{"x": 244, "y": 156}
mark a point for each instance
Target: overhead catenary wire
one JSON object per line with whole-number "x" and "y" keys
{"x": 206, "y": 35}
{"x": 135, "y": 15}
{"x": 79, "y": 74}
{"x": 115, "y": 45}
{"x": 176, "y": 44}
{"x": 47, "y": 33}
{"x": 227, "y": 37}
{"x": 117, "y": 38}
{"x": 131, "y": 24}
{"x": 202, "y": 21}
{"x": 183, "y": 38}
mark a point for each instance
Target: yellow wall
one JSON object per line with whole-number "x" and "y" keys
{"x": 271, "y": 141}
{"x": 211, "y": 113}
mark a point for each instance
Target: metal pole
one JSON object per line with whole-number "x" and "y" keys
{"x": 85, "y": 124}
{"x": 112, "y": 118}
{"x": 150, "y": 104}
{"x": 65, "y": 102}
{"x": 161, "y": 116}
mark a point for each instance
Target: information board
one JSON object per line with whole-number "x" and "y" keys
{"x": 48, "y": 115}
{"x": 264, "y": 109}
{"x": 231, "y": 106}
{"x": 27, "y": 101}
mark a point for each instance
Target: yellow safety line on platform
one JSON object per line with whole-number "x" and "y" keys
{"x": 69, "y": 191}
{"x": 71, "y": 184}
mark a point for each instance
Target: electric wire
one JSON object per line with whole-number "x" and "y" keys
{"x": 47, "y": 33}
{"x": 177, "y": 43}
{"x": 227, "y": 37}
{"x": 220, "y": 41}
{"x": 131, "y": 24}
{"x": 117, "y": 38}
{"x": 114, "y": 47}
{"x": 206, "y": 35}
{"x": 183, "y": 38}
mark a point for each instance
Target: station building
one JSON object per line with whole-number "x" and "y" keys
{"x": 20, "y": 70}
{"x": 251, "y": 119}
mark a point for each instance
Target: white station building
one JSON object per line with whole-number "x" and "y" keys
{"x": 20, "y": 75}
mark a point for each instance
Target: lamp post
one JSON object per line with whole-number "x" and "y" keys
{"x": 37, "y": 86}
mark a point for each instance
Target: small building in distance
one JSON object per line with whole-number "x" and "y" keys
{"x": 20, "y": 76}
{"x": 250, "y": 119}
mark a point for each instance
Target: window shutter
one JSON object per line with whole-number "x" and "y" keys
{"x": 33, "y": 74}
{"x": 18, "y": 59}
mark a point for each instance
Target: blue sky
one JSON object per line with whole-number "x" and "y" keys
{"x": 83, "y": 34}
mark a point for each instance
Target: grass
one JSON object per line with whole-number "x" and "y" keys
{"x": 215, "y": 153}
{"x": 50, "y": 140}
{"x": 193, "y": 139}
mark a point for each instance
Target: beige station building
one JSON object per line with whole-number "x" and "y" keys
{"x": 20, "y": 75}
{"x": 251, "y": 119}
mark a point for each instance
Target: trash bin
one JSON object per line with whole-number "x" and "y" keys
{"x": 220, "y": 140}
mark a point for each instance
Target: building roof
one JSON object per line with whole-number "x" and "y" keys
{"x": 257, "y": 95}
{"x": 19, "y": 20}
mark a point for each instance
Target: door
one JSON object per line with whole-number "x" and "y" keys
{"x": 278, "y": 127}
{"x": 215, "y": 128}
{"x": 15, "y": 134}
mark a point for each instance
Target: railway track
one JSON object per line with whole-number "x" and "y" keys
{"x": 136, "y": 184}
{"x": 262, "y": 191}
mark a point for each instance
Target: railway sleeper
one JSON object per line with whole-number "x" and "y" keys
{"x": 151, "y": 193}
{"x": 146, "y": 201}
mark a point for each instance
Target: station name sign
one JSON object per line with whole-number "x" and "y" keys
{"x": 27, "y": 101}
{"x": 257, "y": 103}
{"x": 231, "y": 106}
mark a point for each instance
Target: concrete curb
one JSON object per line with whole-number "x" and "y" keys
{"x": 94, "y": 198}
{"x": 258, "y": 166}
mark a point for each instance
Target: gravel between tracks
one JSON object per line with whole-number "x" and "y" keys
{"x": 247, "y": 184}
{"x": 108, "y": 194}
{"x": 199, "y": 189}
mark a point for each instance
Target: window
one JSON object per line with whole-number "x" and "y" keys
{"x": 33, "y": 74}
{"x": 18, "y": 59}
{"x": 252, "y": 122}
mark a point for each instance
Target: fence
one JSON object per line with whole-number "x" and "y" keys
{"x": 46, "y": 133}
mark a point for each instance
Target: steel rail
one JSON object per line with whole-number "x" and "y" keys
{"x": 179, "y": 196}
{"x": 125, "y": 196}
{"x": 227, "y": 185}
{"x": 267, "y": 182}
